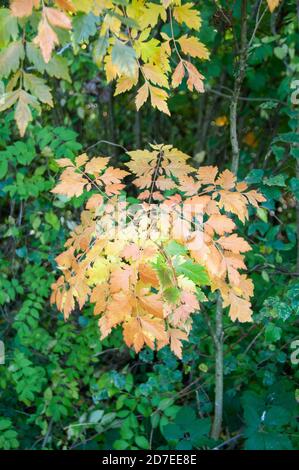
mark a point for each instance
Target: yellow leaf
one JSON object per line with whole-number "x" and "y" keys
{"x": 151, "y": 15}
{"x": 158, "y": 99}
{"x": 221, "y": 121}
{"x": 125, "y": 84}
{"x": 272, "y": 4}
{"x": 155, "y": 75}
{"x": 193, "y": 47}
{"x": 142, "y": 96}
{"x": 99, "y": 272}
{"x": 185, "y": 14}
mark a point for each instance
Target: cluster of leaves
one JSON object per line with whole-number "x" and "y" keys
{"x": 126, "y": 46}
{"x": 152, "y": 285}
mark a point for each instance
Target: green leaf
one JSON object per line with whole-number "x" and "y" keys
{"x": 124, "y": 58}
{"x": 272, "y": 333}
{"x": 8, "y": 27}
{"x": 38, "y": 88}
{"x": 84, "y": 26}
{"x": 10, "y": 58}
{"x": 99, "y": 50}
{"x": 194, "y": 272}
{"x": 142, "y": 442}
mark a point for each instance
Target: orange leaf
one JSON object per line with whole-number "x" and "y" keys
{"x": 22, "y": 8}
{"x": 178, "y": 75}
{"x": 46, "y": 39}
{"x": 57, "y": 18}
{"x": 234, "y": 243}
{"x": 142, "y": 96}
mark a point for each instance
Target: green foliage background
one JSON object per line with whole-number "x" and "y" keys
{"x": 60, "y": 386}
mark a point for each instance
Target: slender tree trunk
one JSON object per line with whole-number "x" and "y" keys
{"x": 237, "y": 88}
{"x": 218, "y": 406}
{"x": 218, "y": 414}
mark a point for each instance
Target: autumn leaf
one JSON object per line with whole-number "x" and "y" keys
{"x": 226, "y": 180}
{"x": 66, "y": 5}
{"x": 142, "y": 96}
{"x": 96, "y": 165}
{"x": 221, "y": 224}
{"x": 178, "y": 75}
{"x": 23, "y": 113}
{"x": 240, "y": 309}
{"x": 195, "y": 79}
{"x": 176, "y": 336}
{"x": 22, "y": 8}
{"x": 46, "y": 39}
{"x": 193, "y": 47}
{"x": 124, "y": 84}
{"x": 207, "y": 174}
{"x": 57, "y": 18}
{"x": 186, "y": 14}
{"x": 234, "y": 243}
{"x": 272, "y": 4}
{"x": 158, "y": 99}
{"x": 70, "y": 184}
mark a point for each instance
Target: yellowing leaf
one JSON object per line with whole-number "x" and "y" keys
{"x": 124, "y": 84}
{"x": 186, "y": 14}
{"x": 155, "y": 75}
{"x": 221, "y": 224}
{"x": 10, "y": 58}
{"x": 272, "y": 4}
{"x": 38, "y": 88}
{"x": 151, "y": 15}
{"x": 70, "y": 184}
{"x": 23, "y": 113}
{"x": 240, "y": 309}
{"x": 142, "y": 96}
{"x": 158, "y": 99}
{"x": 96, "y": 165}
{"x": 221, "y": 121}
{"x": 193, "y": 47}
{"x": 99, "y": 272}
{"x": 226, "y": 180}
{"x": 234, "y": 243}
